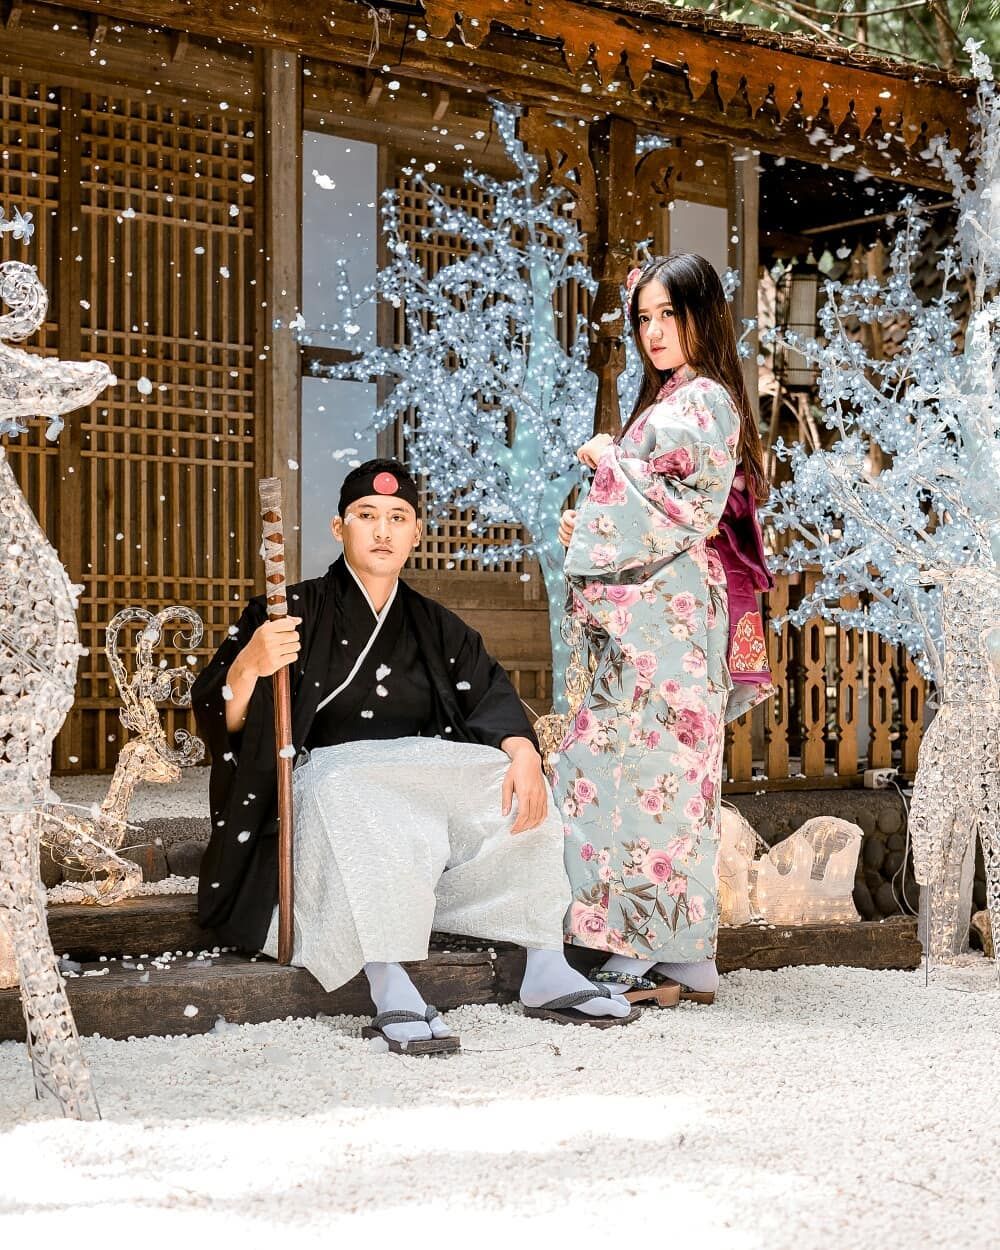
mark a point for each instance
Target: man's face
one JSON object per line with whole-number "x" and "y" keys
{"x": 378, "y": 533}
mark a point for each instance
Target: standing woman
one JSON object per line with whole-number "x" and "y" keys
{"x": 663, "y": 551}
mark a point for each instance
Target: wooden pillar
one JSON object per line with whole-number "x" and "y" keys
{"x": 68, "y": 539}
{"x": 744, "y": 212}
{"x": 913, "y": 696}
{"x": 612, "y": 154}
{"x": 279, "y": 178}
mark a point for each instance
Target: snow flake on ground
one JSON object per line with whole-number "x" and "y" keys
{"x": 809, "y": 1109}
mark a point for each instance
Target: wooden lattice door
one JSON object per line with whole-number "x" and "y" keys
{"x": 148, "y": 495}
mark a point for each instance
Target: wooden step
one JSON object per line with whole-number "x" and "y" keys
{"x": 125, "y": 1002}
{"x": 119, "y": 1003}
{"x": 136, "y": 926}
{"x": 169, "y": 922}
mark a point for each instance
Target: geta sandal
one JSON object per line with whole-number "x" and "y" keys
{"x": 419, "y": 1046}
{"x": 659, "y": 993}
{"x": 563, "y": 1010}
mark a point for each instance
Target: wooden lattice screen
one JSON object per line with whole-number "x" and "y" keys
{"x": 158, "y": 286}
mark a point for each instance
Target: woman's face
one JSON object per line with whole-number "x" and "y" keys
{"x": 658, "y": 327}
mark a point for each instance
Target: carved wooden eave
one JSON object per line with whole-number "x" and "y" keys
{"x": 664, "y": 68}
{"x": 870, "y": 110}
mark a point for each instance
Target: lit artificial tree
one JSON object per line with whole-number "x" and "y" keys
{"x": 492, "y": 404}
{"x": 919, "y": 542}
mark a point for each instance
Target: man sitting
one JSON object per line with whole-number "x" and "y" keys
{"x": 419, "y": 796}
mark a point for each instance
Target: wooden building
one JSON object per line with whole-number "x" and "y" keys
{"x": 176, "y": 155}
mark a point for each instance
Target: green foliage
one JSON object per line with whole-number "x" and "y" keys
{"x": 930, "y": 32}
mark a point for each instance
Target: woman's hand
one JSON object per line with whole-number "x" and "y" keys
{"x": 591, "y": 451}
{"x": 567, "y": 524}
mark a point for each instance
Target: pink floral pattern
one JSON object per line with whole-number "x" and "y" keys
{"x": 638, "y": 776}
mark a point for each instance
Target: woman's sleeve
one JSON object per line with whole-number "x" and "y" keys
{"x": 642, "y": 512}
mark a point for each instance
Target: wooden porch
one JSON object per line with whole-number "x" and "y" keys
{"x": 160, "y": 147}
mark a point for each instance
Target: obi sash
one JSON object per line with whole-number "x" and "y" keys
{"x": 739, "y": 544}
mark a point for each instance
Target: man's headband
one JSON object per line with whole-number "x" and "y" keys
{"x": 379, "y": 481}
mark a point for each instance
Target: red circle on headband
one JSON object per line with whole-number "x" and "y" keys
{"x": 385, "y": 483}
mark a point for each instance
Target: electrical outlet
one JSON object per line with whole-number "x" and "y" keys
{"x": 879, "y": 778}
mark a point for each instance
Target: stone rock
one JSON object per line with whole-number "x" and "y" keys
{"x": 892, "y": 864}
{"x": 867, "y": 821}
{"x": 51, "y": 872}
{"x": 863, "y": 901}
{"x": 873, "y": 879}
{"x": 891, "y": 820}
{"x": 885, "y": 900}
{"x": 873, "y": 852}
{"x": 150, "y": 859}
{"x": 896, "y": 842}
{"x": 980, "y": 926}
{"x": 184, "y": 859}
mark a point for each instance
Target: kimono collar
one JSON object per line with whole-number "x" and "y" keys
{"x": 379, "y": 616}
{"x": 380, "y": 620}
{"x": 683, "y": 373}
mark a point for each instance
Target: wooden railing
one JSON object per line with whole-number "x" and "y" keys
{"x": 846, "y": 701}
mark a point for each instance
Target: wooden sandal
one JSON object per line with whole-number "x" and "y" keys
{"x": 660, "y": 993}
{"x": 421, "y": 1046}
{"x": 685, "y": 995}
{"x": 563, "y": 1010}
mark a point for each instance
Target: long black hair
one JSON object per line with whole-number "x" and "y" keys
{"x": 707, "y": 336}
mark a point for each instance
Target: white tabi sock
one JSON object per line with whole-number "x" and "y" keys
{"x": 547, "y": 975}
{"x": 702, "y": 976}
{"x": 392, "y": 990}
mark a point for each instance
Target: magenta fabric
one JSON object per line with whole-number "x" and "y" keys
{"x": 739, "y": 544}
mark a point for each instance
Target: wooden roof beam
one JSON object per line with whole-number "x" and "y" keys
{"x": 741, "y": 89}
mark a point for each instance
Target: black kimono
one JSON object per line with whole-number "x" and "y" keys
{"x": 465, "y": 697}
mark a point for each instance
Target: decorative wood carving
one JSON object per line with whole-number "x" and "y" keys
{"x": 567, "y": 159}
{"x": 753, "y": 86}
{"x": 655, "y": 186}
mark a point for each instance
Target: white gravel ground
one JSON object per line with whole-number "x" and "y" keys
{"x": 186, "y": 797}
{"x": 74, "y": 893}
{"x": 813, "y": 1109}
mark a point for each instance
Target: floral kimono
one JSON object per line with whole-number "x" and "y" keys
{"x": 638, "y": 776}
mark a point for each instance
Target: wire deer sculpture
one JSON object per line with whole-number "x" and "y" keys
{"x": 90, "y": 844}
{"x": 39, "y": 650}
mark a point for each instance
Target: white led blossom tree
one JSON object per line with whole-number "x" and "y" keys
{"x": 492, "y": 405}
{"x": 923, "y": 534}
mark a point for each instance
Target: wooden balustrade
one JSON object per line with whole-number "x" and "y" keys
{"x": 846, "y": 701}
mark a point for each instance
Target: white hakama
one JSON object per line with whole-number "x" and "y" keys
{"x": 397, "y": 837}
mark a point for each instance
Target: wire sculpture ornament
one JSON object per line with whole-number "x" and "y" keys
{"x": 808, "y": 878}
{"x": 90, "y": 844}
{"x": 917, "y": 539}
{"x": 39, "y": 650}
{"x": 957, "y": 788}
